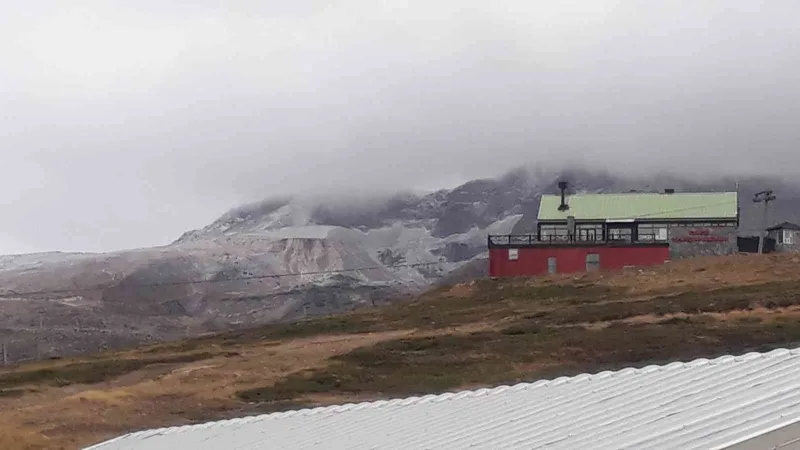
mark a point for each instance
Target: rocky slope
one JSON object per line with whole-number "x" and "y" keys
{"x": 285, "y": 259}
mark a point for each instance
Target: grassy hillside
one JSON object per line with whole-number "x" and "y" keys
{"x": 454, "y": 337}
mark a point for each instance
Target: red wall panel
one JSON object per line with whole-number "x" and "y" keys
{"x": 571, "y": 259}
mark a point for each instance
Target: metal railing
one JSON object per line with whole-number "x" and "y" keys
{"x": 519, "y": 240}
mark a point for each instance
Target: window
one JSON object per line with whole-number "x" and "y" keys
{"x": 788, "y": 237}
{"x": 513, "y": 254}
{"x": 592, "y": 262}
{"x": 619, "y": 234}
{"x": 589, "y": 232}
{"x": 650, "y": 232}
{"x": 552, "y": 265}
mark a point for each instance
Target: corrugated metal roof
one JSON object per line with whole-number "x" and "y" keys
{"x": 650, "y": 206}
{"x": 704, "y": 404}
{"x": 784, "y": 226}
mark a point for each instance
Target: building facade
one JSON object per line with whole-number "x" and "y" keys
{"x": 515, "y": 260}
{"x": 611, "y": 231}
{"x": 786, "y": 236}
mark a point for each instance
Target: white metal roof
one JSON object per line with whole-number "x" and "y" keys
{"x": 703, "y": 404}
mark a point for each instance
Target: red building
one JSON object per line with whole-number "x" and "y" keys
{"x": 586, "y": 232}
{"x": 536, "y": 258}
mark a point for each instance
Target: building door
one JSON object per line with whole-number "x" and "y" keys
{"x": 592, "y": 262}
{"x": 552, "y": 265}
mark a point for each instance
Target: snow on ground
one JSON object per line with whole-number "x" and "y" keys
{"x": 34, "y": 260}
{"x": 243, "y": 246}
{"x": 305, "y": 232}
{"x": 477, "y": 237}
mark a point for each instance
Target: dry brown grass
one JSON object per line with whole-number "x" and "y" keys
{"x": 77, "y": 416}
{"x": 711, "y": 272}
{"x": 461, "y": 290}
{"x": 463, "y": 336}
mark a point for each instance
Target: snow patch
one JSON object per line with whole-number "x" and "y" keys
{"x": 301, "y": 232}
{"x": 36, "y": 260}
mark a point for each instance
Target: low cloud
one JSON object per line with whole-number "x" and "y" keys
{"x": 124, "y": 126}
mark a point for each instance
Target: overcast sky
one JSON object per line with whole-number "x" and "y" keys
{"x": 123, "y": 126}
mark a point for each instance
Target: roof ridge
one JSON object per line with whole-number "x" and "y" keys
{"x": 698, "y": 362}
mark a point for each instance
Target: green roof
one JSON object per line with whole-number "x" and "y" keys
{"x": 645, "y": 206}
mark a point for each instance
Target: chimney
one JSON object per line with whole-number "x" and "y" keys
{"x": 669, "y": 191}
{"x": 562, "y": 185}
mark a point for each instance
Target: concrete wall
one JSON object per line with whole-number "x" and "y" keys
{"x": 688, "y": 242}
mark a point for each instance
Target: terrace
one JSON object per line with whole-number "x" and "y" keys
{"x": 533, "y": 240}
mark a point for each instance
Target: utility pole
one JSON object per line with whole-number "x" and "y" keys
{"x": 4, "y": 344}
{"x": 765, "y": 197}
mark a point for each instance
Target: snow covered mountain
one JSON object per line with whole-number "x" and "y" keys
{"x": 285, "y": 259}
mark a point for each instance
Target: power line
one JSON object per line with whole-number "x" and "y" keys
{"x": 244, "y": 278}
{"x": 667, "y": 211}
{"x": 292, "y": 274}
{"x": 691, "y": 208}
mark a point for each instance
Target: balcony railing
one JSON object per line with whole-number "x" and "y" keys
{"x": 521, "y": 240}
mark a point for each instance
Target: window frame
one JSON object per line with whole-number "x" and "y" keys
{"x": 589, "y": 232}
{"x": 653, "y": 231}
{"x": 513, "y": 254}
{"x": 623, "y": 234}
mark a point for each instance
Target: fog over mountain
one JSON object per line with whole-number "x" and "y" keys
{"x": 127, "y": 124}
{"x": 287, "y": 258}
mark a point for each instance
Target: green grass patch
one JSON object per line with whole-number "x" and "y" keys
{"x": 750, "y": 319}
{"x": 494, "y": 300}
{"x": 12, "y": 393}
{"x": 90, "y": 372}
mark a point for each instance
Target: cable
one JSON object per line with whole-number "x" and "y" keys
{"x": 288, "y": 274}
{"x": 691, "y": 208}
{"x": 663, "y": 211}
{"x": 253, "y": 277}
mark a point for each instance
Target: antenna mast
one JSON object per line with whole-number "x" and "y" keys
{"x": 765, "y": 197}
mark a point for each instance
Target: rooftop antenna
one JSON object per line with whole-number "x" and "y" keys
{"x": 738, "y": 207}
{"x": 562, "y": 185}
